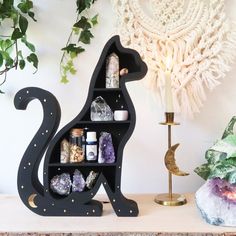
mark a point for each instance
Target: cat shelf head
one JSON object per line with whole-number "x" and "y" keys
{"x": 128, "y": 59}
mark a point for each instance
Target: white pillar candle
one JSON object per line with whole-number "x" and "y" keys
{"x": 168, "y": 91}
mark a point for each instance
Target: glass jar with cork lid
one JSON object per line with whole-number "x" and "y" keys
{"x": 77, "y": 145}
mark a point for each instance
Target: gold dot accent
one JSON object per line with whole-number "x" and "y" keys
{"x": 44, "y": 210}
{"x": 64, "y": 211}
{"x": 119, "y": 210}
{"x": 93, "y": 211}
{"x": 29, "y": 163}
{"x": 114, "y": 200}
{"x": 87, "y": 213}
{"x": 72, "y": 200}
{"x": 22, "y": 186}
{"x": 131, "y": 211}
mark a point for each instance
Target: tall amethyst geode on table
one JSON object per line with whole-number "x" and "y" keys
{"x": 106, "y": 149}
{"x": 216, "y": 199}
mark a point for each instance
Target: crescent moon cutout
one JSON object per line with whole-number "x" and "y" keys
{"x": 170, "y": 162}
{"x": 31, "y": 200}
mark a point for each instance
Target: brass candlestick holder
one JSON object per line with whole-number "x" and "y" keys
{"x": 170, "y": 198}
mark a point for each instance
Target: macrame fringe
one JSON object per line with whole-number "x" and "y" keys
{"x": 202, "y": 49}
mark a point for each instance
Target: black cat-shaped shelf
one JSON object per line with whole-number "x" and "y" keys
{"x": 40, "y": 198}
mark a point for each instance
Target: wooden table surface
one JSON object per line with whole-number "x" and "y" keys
{"x": 153, "y": 219}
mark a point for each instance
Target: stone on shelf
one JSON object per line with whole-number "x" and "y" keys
{"x": 100, "y": 110}
{"x": 78, "y": 183}
{"x": 91, "y": 179}
{"x": 106, "y": 149}
{"x": 61, "y": 184}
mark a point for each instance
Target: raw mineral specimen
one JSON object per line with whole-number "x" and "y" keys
{"x": 106, "y": 149}
{"x": 65, "y": 151}
{"x": 61, "y": 184}
{"x": 78, "y": 183}
{"x": 91, "y": 179}
{"x": 220, "y": 173}
{"x": 100, "y": 111}
{"x": 220, "y": 206}
{"x": 112, "y": 71}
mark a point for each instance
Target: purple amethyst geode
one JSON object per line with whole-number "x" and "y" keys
{"x": 61, "y": 184}
{"x": 216, "y": 200}
{"x": 106, "y": 149}
{"x": 78, "y": 183}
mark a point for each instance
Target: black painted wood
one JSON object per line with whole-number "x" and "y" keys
{"x": 39, "y": 198}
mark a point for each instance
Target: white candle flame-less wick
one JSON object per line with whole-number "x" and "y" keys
{"x": 168, "y": 91}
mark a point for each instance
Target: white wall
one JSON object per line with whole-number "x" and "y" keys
{"x": 143, "y": 168}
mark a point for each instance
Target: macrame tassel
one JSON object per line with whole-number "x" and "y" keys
{"x": 200, "y": 40}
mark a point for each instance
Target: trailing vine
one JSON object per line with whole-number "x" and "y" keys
{"x": 13, "y": 37}
{"x": 80, "y": 35}
{"x": 11, "y": 41}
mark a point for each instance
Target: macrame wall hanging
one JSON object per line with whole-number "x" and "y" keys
{"x": 196, "y": 34}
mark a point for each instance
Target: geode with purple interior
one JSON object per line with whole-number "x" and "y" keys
{"x": 78, "y": 183}
{"x": 61, "y": 184}
{"x": 216, "y": 200}
{"x": 106, "y": 152}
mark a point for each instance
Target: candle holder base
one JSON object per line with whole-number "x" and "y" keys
{"x": 174, "y": 200}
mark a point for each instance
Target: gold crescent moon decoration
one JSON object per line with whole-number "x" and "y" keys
{"x": 31, "y": 200}
{"x": 170, "y": 162}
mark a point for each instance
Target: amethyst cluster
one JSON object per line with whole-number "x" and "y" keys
{"x": 106, "y": 149}
{"x": 61, "y": 184}
{"x": 216, "y": 200}
{"x": 223, "y": 189}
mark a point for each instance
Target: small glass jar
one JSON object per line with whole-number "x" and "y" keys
{"x": 77, "y": 145}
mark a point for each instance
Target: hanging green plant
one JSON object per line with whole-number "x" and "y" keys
{"x": 14, "y": 38}
{"x": 80, "y": 35}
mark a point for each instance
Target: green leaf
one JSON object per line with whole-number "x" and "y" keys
{"x": 83, "y": 4}
{"x": 31, "y": 15}
{"x": 73, "y": 48}
{"x": 85, "y": 36}
{"x": 16, "y": 34}
{"x": 22, "y": 64}
{"x": 82, "y": 23}
{"x": 73, "y": 71}
{"x": 221, "y": 170}
{"x": 94, "y": 20}
{"x": 203, "y": 171}
{"x": 32, "y": 58}
{"x": 1, "y": 59}
{"x": 9, "y": 61}
{"x": 28, "y": 44}
{"x": 5, "y": 44}
{"x": 64, "y": 79}
{"x": 23, "y": 23}
{"x": 25, "y": 5}
{"x": 232, "y": 177}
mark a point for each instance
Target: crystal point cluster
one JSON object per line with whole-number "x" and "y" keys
{"x": 100, "y": 110}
